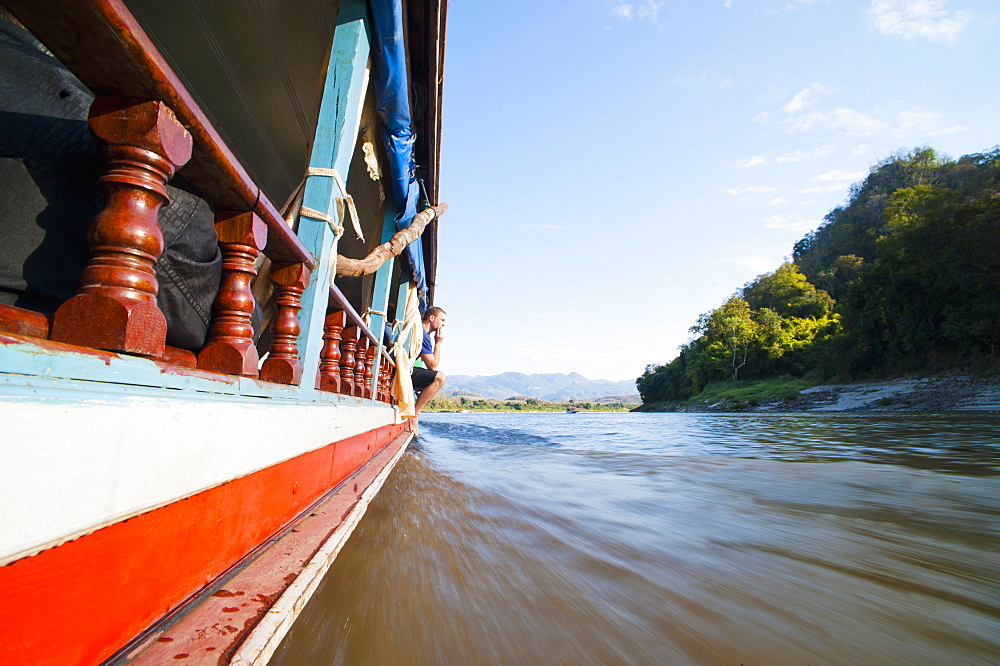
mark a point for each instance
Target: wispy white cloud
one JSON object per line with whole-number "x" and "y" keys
{"x": 752, "y": 189}
{"x": 789, "y": 222}
{"x": 799, "y": 115}
{"x": 756, "y": 161}
{"x": 858, "y": 151}
{"x": 707, "y": 78}
{"x": 924, "y": 122}
{"x": 647, "y": 10}
{"x": 805, "y": 155}
{"x": 823, "y": 189}
{"x": 839, "y": 175}
{"x": 848, "y": 121}
{"x": 919, "y": 19}
{"x": 750, "y": 163}
{"x": 806, "y": 98}
{"x": 691, "y": 79}
{"x": 777, "y": 201}
{"x": 832, "y": 181}
{"x": 841, "y": 119}
{"x": 625, "y": 12}
{"x": 756, "y": 264}
{"x": 794, "y": 117}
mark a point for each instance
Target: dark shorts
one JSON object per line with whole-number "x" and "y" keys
{"x": 422, "y": 378}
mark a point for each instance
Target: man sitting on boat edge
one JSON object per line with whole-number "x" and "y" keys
{"x": 427, "y": 380}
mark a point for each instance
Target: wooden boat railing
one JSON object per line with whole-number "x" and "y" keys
{"x": 151, "y": 126}
{"x": 353, "y": 358}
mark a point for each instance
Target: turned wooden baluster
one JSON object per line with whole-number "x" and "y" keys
{"x": 370, "y": 391}
{"x": 382, "y": 371}
{"x": 390, "y": 371}
{"x": 329, "y": 363}
{"x": 283, "y": 365}
{"x": 360, "y": 353}
{"x": 349, "y": 340}
{"x": 115, "y": 307}
{"x": 386, "y": 380}
{"x": 230, "y": 348}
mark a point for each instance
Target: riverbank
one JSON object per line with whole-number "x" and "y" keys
{"x": 950, "y": 393}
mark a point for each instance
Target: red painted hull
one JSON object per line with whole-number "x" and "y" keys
{"x": 82, "y": 601}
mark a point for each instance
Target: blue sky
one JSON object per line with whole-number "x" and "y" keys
{"x": 614, "y": 169}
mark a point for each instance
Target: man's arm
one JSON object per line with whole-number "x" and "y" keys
{"x": 432, "y": 360}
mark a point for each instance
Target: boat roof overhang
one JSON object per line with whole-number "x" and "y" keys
{"x": 258, "y": 75}
{"x": 247, "y": 84}
{"x": 426, "y": 21}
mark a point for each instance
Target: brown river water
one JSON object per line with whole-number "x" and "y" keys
{"x": 673, "y": 539}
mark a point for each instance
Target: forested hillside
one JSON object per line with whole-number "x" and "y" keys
{"x": 904, "y": 277}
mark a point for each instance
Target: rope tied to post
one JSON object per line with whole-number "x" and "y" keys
{"x": 346, "y": 201}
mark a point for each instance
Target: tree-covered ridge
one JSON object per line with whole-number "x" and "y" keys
{"x": 902, "y": 277}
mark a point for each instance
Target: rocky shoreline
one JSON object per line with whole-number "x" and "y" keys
{"x": 928, "y": 394}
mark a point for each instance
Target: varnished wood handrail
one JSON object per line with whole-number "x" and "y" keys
{"x": 23, "y": 322}
{"x": 339, "y": 302}
{"x": 106, "y": 48}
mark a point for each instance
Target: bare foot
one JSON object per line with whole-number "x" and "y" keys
{"x": 414, "y": 428}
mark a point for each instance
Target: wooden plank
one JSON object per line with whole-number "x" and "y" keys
{"x": 267, "y": 635}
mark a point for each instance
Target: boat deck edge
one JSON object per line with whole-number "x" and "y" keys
{"x": 245, "y": 620}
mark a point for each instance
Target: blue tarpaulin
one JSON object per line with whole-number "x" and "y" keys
{"x": 392, "y": 102}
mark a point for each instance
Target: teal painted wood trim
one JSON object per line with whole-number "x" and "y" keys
{"x": 336, "y": 134}
{"x": 380, "y": 292}
{"x": 54, "y": 390}
{"x": 32, "y": 365}
{"x": 315, "y": 299}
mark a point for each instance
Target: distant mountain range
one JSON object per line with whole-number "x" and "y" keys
{"x": 544, "y": 387}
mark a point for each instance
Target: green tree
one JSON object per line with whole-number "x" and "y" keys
{"x": 669, "y": 382}
{"x": 789, "y": 293}
{"x": 932, "y": 291}
{"x": 903, "y": 276}
{"x": 729, "y": 332}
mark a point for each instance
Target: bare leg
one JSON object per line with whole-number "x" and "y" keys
{"x": 425, "y": 396}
